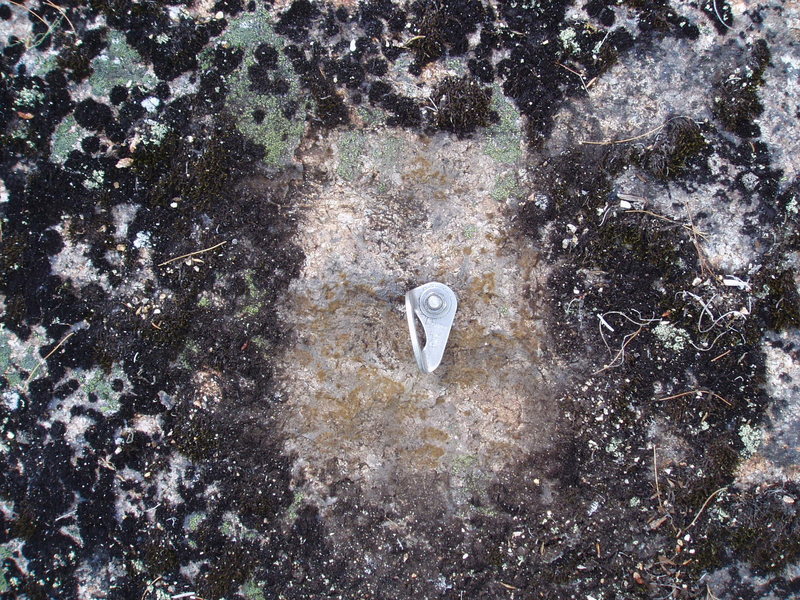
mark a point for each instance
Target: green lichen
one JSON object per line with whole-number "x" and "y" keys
{"x": 261, "y": 117}
{"x": 504, "y": 138}
{"x": 18, "y": 359}
{"x": 28, "y": 98}
{"x": 351, "y": 147}
{"x": 5, "y": 553}
{"x": 506, "y": 186}
{"x": 568, "y": 41}
{"x": 251, "y": 589}
{"x": 255, "y": 297}
{"x": 294, "y": 507}
{"x": 154, "y": 132}
{"x": 66, "y": 138}
{"x": 41, "y": 63}
{"x": 193, "y": 521}
{"x": 119, "y": 64}
{"x": 464, "y": 463}
{"x": 372, "y": 116}
{"x": 98, "y": 382}
{"x": 233, "y": 527}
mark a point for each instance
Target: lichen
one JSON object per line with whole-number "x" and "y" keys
{"x": 751, "y": 439}
{"x": 251, "y": 589}
{"x": 506, "y": 186}
{"x": 351, "y": 146}
{"x": 121, "y": 65}
{"x": 258, "y": 116}
{"x": 671, "y": 337}
{"x": 95, "y": 180}
{"x": 504, "y": 138}
{"x": 66, "y": 138}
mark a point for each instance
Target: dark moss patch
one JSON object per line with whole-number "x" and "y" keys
{"x": 76, "y": 59}
{"x": 267, "y": 56}
{"x": 93, "y": 115}
{"x": 780, "y": 308}
{"x": 297, "y": 20}
{"x": 462, "y": 106}
{"x": 675, "y": 144}
{"x": 720, "y": 14}
{"x": 443, "y": 27}
{"x": 736, "y": 103}
{"x": 762, "y": 530}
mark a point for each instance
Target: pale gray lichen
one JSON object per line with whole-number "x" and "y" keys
{"x": 154, "y": 133}
{"x": 751, "y": 438}
{"x": 28, "y": 97}
{"x": 671, "y": 337}
{"x": 95, "y": 180}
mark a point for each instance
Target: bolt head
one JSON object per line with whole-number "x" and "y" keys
{"x": 435, "y": 302}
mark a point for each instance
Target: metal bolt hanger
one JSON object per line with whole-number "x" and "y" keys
{"x": 434, "y": 304}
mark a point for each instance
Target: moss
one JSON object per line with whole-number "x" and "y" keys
{"x": 165, "y": 165}
{"x": 160, "y": 556}
{"x": 769, "y": 535}
{"x": 233, "y": 567}
{"x": 77, "y": 59}
{"x": 736, "y": 103}
{"x": 26, "y": 526}
{"x": 780, "y": 303}
{"x": 428, "y": 42}
{"x": 717, "y": 465}
{"x": 678, "y": 141}
{"x": 198, "y": 439}
{"x": 462, "y": 105}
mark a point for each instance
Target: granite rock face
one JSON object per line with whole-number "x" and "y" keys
{"x": 211, "y": 212}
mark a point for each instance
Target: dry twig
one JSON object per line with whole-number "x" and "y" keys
{"x": 702, "y": 508}
{"x": 696, "y": 392}
{"x": 49, "y": 354}
{"x": 190, "y": 254}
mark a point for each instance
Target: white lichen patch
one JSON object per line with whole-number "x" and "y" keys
{"x": 97, "y": 576}
{"x": 95, "y": 391}
{"x": 779, "y": 125}
{"x": 168, "y": 481}
{"x": 123, "y": 215}
{"x": 356, "y": 399}
{"x": 671, "y": 80}
{"x": 73, "y": 263}
{"x": 18, "y": 359}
